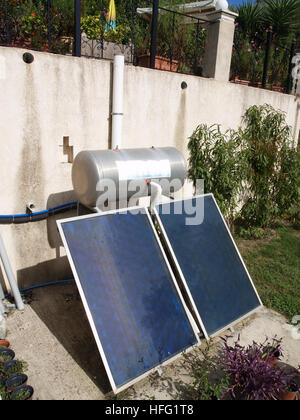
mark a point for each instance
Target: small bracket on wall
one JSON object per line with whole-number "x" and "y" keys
{"x": 30, "y": 208}
{"x": 67, "y": 149}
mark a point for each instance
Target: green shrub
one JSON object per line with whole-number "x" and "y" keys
{"x": 293, "y": 216}
{"x": 273, "y": 172}
{"x": 95, "y": 28}
{"x": 34, "y": 27}
{"x": 209, "y": 382}
{"x": 218, "y": 158}
{"x": 257, "y": 161}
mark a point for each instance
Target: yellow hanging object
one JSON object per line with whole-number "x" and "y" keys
{"x": 111, "y": 16}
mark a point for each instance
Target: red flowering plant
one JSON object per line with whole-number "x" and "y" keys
{"x": 34, "y": 28}
{"x": 10, "y": 12}
{"x": 37, "y": 24}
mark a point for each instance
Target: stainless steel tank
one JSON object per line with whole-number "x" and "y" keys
{"x": 128, "y": 170}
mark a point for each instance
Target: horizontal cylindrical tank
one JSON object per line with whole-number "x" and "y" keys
{"x": 125, "y": 172}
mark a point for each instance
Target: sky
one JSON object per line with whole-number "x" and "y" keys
{"x": 237, "y": 2}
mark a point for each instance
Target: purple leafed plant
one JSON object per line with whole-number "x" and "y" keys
{"x": 252, "y": 376}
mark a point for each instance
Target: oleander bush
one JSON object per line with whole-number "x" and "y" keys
{"x": 255, "y": 167}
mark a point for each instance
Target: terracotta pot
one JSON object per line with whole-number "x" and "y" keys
{"x": 256, "y": 84}
{"x": 242, "y": 82}
{"x": 288, "y": 396}
{"x": 161, "y": 63}
{"x": 4, "y": 343}
{"x": 273, "y": 356}
{"x": 278, "y": 89}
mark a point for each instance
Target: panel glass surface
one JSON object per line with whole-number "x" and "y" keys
{"x": 211, "y": 266}
{"x": 136, "y": 309}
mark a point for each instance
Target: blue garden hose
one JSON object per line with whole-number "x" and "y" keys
{"x": 51, "y": 283}
{"x": 35, "y": 217}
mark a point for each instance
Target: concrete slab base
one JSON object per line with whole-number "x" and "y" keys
{"x": 53, "y": 336}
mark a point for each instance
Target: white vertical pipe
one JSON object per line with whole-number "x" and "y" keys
{"x": 156, "y": 193}
{"x": 1, "y": 292}
{"x": 2, "y": 310}
{"x": 117, "y": 101}
{"x": 10, "y": 276}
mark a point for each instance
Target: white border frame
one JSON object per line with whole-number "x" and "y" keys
{"x": 193, "y": 324}
{"x": 165, "y": 236}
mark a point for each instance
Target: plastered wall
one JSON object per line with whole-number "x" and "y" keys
{"x": 59, "y": 97}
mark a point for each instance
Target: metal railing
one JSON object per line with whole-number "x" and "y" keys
{"x": 162, "y": 37}
{"x": 263, "y": 63}
{"x": 177, "y": 37}
{"x": 37, "y": 24}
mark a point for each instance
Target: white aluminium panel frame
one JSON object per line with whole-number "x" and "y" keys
{"x": 173, "y": 256}
{"x": 193, "y": 324}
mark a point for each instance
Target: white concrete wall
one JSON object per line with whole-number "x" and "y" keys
{"x": 59, "y": 96}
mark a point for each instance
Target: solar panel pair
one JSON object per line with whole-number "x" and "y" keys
{"x": 133, "y": 302}
{"x": 134, "y": 306}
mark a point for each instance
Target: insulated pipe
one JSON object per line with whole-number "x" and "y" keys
{"x": 117, "y": 101}
{"x": 156, "y": 193}
{"x": 38, "y": 216}
{"x": 10, "y": 276}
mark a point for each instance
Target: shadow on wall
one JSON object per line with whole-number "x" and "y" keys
{"x": 47, "y": 271}
{"x": 181, "y": 124}
{"x": 54, "y": 200}
{"x": 52, "y": 269}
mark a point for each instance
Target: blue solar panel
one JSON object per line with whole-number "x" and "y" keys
{"x": 132, "y": 302}
{"x": 209, "y": 263}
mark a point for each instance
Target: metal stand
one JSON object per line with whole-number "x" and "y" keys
{"x": 10, "y": 276}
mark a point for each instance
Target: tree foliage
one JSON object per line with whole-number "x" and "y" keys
{"x": 253, "y": 23}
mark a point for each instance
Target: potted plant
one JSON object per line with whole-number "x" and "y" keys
{"x": 180, "y": 46}
{"x": 272, "y": 352}
{"x": 6, "y": 355}
{"x": 256, "y": 84}
{"x": 2, "y": 381}
{"x": 3, "y": 392}
{"x": 15, "y": 381}
{"x": 161, "y": 63}
{"x": 13, "y": 366}
{"x": 290, "y": 392}
{"x": 252, "y": 377}
{"x": 292, "y": 383}
{"x": 22, "y": 393}
{"x": 4, "y": 343}
{"x": 34, "y": 30}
